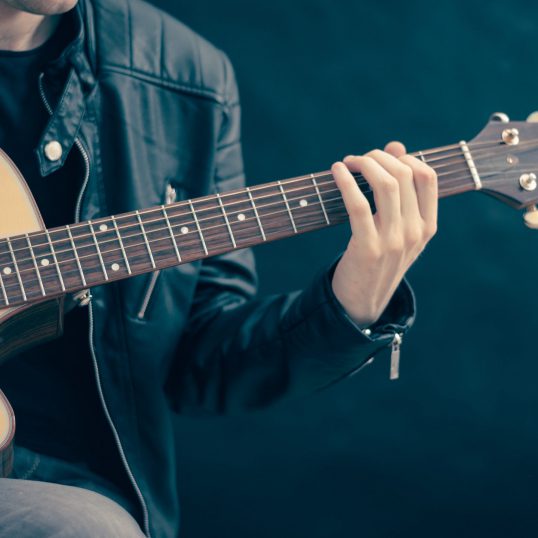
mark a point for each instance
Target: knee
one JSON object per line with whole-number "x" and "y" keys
{"x": 61, "y": 511}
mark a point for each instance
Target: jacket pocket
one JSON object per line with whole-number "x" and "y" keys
{"x": 170, "y": 196}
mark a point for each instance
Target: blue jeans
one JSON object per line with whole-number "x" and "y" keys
{"x": 48, "y": 497}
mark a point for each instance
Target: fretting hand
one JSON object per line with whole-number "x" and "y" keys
{"x": 385, "y": 244}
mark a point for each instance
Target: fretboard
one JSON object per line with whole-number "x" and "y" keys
{"x": 52, "y": 262}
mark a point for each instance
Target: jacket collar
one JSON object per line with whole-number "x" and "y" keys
{"x": 65, "y": 86}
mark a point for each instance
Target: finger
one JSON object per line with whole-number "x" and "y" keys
{"x": 357, "y": 206}
{"x": 404, "y": 174}
{"x": 426, "y": 188}
{"x": 397, "y": 149}
{"x": 385, "y": 188}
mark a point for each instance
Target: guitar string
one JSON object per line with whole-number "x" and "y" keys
{"x": 190, "y": 222}
{"x": 305, "y": 178}
{"x": 217, "y": 210}
{"x": 319, "y": 175}
{"x": 167, "y": 238}
{"x": 73, "y": 271}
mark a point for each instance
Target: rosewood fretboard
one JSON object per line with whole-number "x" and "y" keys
{"x": 68, "y": 259}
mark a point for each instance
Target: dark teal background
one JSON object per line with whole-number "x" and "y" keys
{"x": 450, "y": 449}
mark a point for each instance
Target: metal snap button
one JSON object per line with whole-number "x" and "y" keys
{"x": 53, "y": 151}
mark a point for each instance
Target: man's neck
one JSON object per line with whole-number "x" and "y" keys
{"x": 20, "y": 31}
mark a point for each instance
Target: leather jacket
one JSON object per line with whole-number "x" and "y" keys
{"x": 153, "y": 109}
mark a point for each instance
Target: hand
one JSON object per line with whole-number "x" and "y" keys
{"x": 385, "y": 244}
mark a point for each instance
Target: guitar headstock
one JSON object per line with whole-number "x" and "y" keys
{"x": 505, "y": 154}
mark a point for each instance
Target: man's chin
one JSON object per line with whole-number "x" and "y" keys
{"x": 42, "y": 7}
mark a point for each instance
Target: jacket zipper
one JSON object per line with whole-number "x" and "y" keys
{"x": 115, "y": 434}
{"x": 395, "y": 356}
{"x": 170, "y": 197}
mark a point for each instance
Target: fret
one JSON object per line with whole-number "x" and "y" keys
{"x": 287, "y": 206}
{"x": 272, "y": 211}
{"x": 421, "y": 156}
{"x": 48, "y": 276}
{"x": 95, "y": 242}
{"x": 242, "y": 219}
{"x": 320, "y": 200}
{"x": 14, "y": 292}
{"x": 256, "y": 213}
{"x": 57, "y": 266}
{"x": 122, "y": 247}
{"x": 4, "y": 292}
{"x": 170, "y": 231}
{"x": 227, "y": 221}
{"x": 198, "y": 227}
{"x": 34, "y": 260}
{"x": 77, "y": 259}
{"x": 145, "y": 239}
{"x": 17, "y": 272}
{"x": 158, "y": 236}
{"x": 303, "y": 203}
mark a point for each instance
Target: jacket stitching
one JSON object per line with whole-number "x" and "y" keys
{"x": 167, "y": 83}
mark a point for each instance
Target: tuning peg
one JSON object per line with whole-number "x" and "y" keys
{"x": 533, "y": 118}
{"x": 531, "y": 217}
{"x": 499, "y": 116}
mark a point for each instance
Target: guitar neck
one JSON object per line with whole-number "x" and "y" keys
{"x": 68, "y": 259}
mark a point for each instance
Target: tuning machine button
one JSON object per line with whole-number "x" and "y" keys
{"x": 528, "y": 181}
{"x": 499, "y": 116}
{"x": 531, "y": 217}
{"x": 533, "y": 117}
{"x": 511, "y": 136}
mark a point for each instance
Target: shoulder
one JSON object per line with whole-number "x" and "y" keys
{"x": 135, "y": 39}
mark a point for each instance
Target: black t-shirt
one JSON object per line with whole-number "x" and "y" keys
{"x": 52, "y": 387}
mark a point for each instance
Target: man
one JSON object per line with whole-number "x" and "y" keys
{"x": 108, "y": 106}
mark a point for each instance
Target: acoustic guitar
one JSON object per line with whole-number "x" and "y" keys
{"x": 39, "y": 266}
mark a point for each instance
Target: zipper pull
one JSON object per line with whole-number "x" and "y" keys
{"x": 171, "y": 195}
{"x": 395, "y": 356}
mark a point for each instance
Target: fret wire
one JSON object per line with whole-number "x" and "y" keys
{"x": 43, "y": 292}
{"x": 256, "y": 213}
{"x": 16, "y": 269}
{"x": 198, "y": 226}
{"x": 268, "y": 205}
{"x": 445, "y": 185}
{"x": 324, "y": 175}
{"x": 320, "y": 199}
{"x": 53, "y": 252}
{"x": 444, "y": 153}
{"x": 95, "y": 242}
{"x": 310, "y": 224}
{"x": 421, "y": 156}
{"x": 77, "y": 259}
{"x": 227, "y": 221}
{"x": 146, "y": 239}
{"x": 287, "y": 206}
{"x": 172, "y": 236}
{"x": 4, "y": 291}
{"x": 122, "y": 247}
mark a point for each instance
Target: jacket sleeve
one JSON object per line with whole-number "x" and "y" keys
{"x": 241, "y": 352}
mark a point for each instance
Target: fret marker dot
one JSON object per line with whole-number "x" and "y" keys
{"x": 303, "y": 203}
{"x": 184, "y": 230}
{"x": 241, "y": 216}
{"x": 115, "y": 267}
{"x": 7, "y": 270}
{"x": 44, "y": 262}
{"x": 103, "y": 227}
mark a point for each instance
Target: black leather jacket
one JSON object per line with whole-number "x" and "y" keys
{"x": 151, "y": 105}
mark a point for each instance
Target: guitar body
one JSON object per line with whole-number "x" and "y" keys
{"x": 24, "y": 326}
